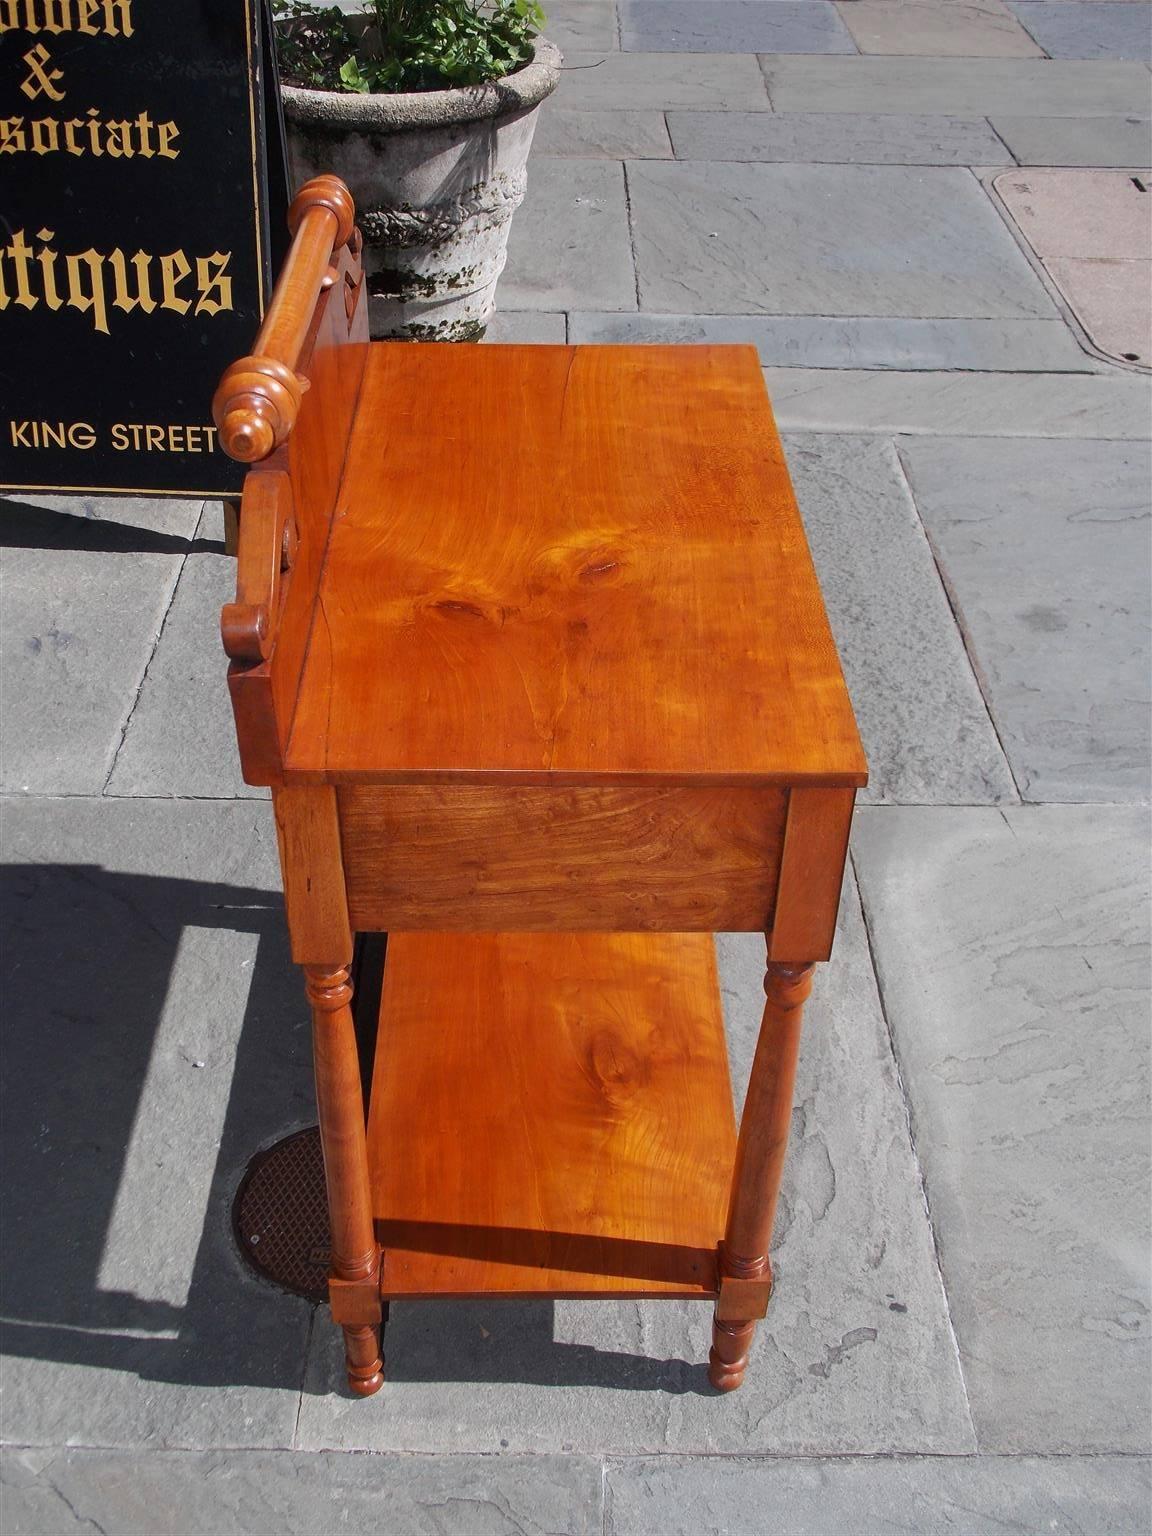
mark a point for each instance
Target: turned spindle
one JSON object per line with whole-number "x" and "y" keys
{"x": 745, "y": 1267}
{"x": 258, "y": 399}
{"x": 355, "y": 1286}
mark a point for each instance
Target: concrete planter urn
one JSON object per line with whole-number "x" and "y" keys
{"x": 436, "y": 176}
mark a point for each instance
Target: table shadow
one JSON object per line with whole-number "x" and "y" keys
{"x": 87, "y": 964}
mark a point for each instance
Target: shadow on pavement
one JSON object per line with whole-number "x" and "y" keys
{"x": 25, "y": 526}
{"x": 88, "y": 967}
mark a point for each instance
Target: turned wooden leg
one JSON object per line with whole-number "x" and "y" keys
{"x": 354, "y": 1284}
{"x": 745, "y": 1267}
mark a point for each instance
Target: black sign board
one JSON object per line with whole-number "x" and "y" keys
{"x": 142, "y": 188}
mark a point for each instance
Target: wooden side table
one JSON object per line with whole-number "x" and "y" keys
{"x": 529, "y": 646}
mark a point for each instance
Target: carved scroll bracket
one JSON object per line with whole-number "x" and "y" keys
{"x": 267, "y": 549}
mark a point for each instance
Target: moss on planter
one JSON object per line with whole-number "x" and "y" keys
{"x": 403, "y": 283}
{"x": 446, "y": 330}
{"x": 400, "y": 283}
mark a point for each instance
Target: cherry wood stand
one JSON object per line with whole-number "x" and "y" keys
{"x": 528, "y": 644}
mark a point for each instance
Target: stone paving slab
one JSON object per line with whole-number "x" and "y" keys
{"x": 569, "y": 246}
{"x": 189, "y": 750}
{"x": 1089, "y": 30}
{"x": 851, "y": 342}
{"x": 730, "y": 82}
{"x": 620, "y": 135}
{"x": 582, "y": 24}
{"x": 527, "y": 325}
{"x": 1012, "y": 952}
{"x": 732, "y": 26}
{"x": 743, "y": 239}
{"x": 1044, "y": 546}
{"x": 957, "y": 87}
{"x": 86, "y": 582}
{"x": 285, "y": 1493}
{"x": 837, "y": 139}
{"x": 944, "y": 28}
{"x": 1113, "y": 405}
{"x": 938, "y": 1496}
{"x": 857, "y": 1354}
{"x": 923, "y": 721}
{"x": 1110, "y": 141}
{"x": 164, "y": 1041}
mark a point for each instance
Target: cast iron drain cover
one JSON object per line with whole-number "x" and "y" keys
{"x": 280, "y": 1215}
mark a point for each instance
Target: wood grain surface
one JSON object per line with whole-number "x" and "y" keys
{"x": 315, "y": 895}
{"x": 811, "y": 874}
{"x": 569, "y": 565}
{"x": 471, "y": 857}
{"x": 551, "y": 1115}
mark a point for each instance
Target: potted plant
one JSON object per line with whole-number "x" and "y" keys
{"x": 426, "y": 108}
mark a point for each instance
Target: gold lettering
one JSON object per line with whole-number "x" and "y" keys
{"x": 21, "y": 254}
{"x": 41, "y": 81}
{"x": 124, "y": 9}
{"x": 45, "y": 139}
{"x": 119, "y": 141}
{"x": 168, "y": 133}
{"x": 173, "y": 270}
{"x": 91, "y": 17}
{"x": 93, "y": 301}
{"x": 119, "y": 138}
{"x": 52, "y": 434}
{"x": 94, "y": 131}
{"x": 215, "y": 286}
{"x": 29, "y": 277}
{"x": 11, "y": 135}
{"x": 119, "y": 437}
{"x": 57, "y": 15}
{"x": 144, "y": 122}
{"x": 47, "y": 260}
{"x": 143, "y": 295}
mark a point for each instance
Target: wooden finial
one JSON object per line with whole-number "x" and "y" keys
{"x": 255, "y": 407}
{"x": 325, "y": 192}
{"x": 258, "y": 399}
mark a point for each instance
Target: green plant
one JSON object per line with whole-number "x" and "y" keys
{"x": 404, "y": 45}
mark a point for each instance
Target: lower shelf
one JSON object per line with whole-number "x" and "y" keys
{"x": 551, "y": 1115}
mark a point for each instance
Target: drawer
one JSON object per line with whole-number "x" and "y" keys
{"x": 604, "y": 858}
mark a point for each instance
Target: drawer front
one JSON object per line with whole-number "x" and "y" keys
{"x": 481, "y": 859}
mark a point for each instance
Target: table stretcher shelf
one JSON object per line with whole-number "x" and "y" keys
{"x": 551, "y": 1115}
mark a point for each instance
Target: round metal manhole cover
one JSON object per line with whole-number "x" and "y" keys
{"x": 280, "y": 1215}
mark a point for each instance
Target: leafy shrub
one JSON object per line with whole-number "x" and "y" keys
{"x": 404, "y": 45}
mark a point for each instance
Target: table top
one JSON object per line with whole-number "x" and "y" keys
{"x": 569, "y": 565}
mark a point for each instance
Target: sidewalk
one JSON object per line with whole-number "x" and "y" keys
{"x": 960, "y": 1335}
